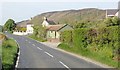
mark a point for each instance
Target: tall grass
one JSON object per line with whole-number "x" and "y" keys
{"x": 9, "y": 52}
{"x": 90, "y": 54}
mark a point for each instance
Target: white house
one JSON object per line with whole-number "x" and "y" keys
{"x": 111, "y": 12}
{"x": 47, "y": 22}
{"x": 53, "y": 30}
{"x": 29, "y": 30}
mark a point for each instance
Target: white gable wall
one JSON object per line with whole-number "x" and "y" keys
{"x": 53, "y": 34}
{"x": 29, "y": 29}
{"x": 45, "y": 23}
{"x": 116, "y": 14}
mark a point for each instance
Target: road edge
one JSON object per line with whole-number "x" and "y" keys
{"x": 18, "y": 55}
{"x": 82, "y": 57}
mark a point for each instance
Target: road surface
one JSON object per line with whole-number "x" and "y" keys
{"x": 36, "y": 55}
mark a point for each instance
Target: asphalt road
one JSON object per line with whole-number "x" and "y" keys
{"x": 36, "y": 55}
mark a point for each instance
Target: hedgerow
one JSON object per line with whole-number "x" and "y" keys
{"x": 102, "y": 41}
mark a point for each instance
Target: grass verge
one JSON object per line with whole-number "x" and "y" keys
{"x": 38, "y": 39}
{"x": 97, "y": 56}
{"x": 9, "y": 54}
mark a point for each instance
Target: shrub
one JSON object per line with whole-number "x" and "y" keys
{"x": 103, "y": 40}
{"x": 79, "y": 37}
{"x": 66, "y": 37}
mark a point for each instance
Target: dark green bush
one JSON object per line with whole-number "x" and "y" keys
{"x": 103, "y": 40}
{"x": 79, "y": 38}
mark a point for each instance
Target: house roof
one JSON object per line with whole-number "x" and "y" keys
{"x": 50, "y": 22}
{"x": 112, "y": 11}
{"x": 56, "y": 27}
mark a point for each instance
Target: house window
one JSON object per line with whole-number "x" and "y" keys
{"x": 28, "y": 30}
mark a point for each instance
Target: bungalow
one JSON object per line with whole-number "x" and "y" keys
{"x": 111, "y": 12}
{"x": 53, "y": 31}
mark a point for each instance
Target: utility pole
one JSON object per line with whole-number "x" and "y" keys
{"x": 119, "y": 9}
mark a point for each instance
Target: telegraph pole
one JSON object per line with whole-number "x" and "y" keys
{"x": 119, "y": 9}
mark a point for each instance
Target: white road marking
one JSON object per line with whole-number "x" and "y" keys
{"x": 26, "y": 39}
{"x": 64, "y": 65}
{"x": 33, "y": 44}
{"x": 18, "y": 58}
{"x": 49, "y": 54}
{"x": 39, "y": 48}
{"x": 17, "y": 62}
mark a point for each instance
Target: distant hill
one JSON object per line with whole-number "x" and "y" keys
{"x": 22, "y": 23}
{"x": 70, "y": 16}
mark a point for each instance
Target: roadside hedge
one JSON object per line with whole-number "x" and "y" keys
{"x": 67, "y": 37}
{"x": 103, "y": 41}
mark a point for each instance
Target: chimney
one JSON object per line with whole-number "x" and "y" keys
{"x": 31, "y": 18}
{"x": 45, "y": 18}
{"x": 58, "y": 23}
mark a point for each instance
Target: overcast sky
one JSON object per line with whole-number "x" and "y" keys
{"x": 23, "y": 9}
